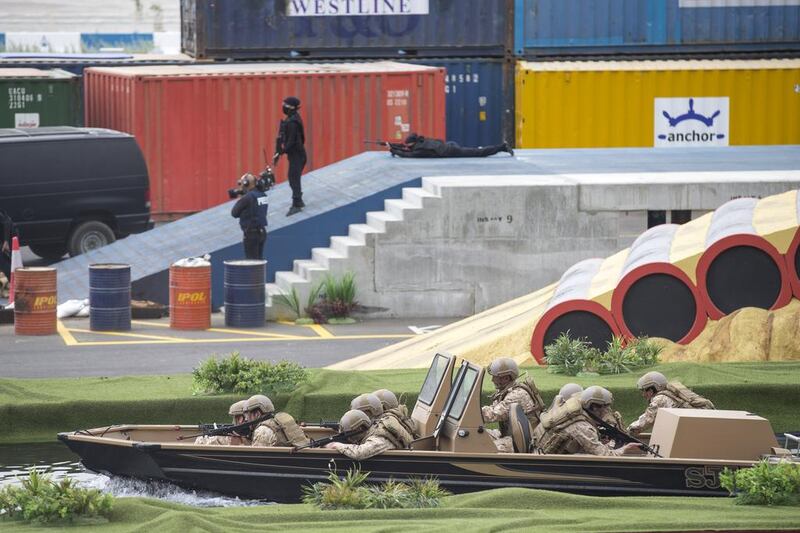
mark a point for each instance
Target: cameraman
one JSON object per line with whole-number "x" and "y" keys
{"x": 251, "y": 210}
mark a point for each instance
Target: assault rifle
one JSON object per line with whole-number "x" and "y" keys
{"x": 245, "y": 429}
{"x": 619, "y": 436}
{"x": 322, "y": 424}
{"x": 393, "y": 146}
{"x": 339, "y": 437}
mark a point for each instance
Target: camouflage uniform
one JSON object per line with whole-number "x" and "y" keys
{"x": 498, "y": 412}
{"x": 585, "y": 439}
{"x": 370, "y": 447}
{"x": 646, "y": 420}
{"x": 281, "y": 430}
{"x": 222, "y": 440}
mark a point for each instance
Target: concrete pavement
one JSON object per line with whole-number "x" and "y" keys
{"x": 151, "y": 347}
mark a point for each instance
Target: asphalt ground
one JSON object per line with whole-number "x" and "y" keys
{"x": 152, "y": 347}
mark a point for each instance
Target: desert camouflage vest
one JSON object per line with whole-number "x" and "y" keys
{"x": 615, "y": 419}
{"x": 685, "y": 398}
{"x": 286, "y": 430}
{"x": 549, "y": 436}
{"x": 401, "y": 414}
{"x": 530, "y": 389}
{"x": 390, "y": 427}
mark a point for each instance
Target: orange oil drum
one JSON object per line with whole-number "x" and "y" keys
{"x": 190, "y": 297}
{"x": 35, "y": 301}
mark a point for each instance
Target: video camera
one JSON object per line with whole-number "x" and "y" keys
{"x": 264, "y": 182}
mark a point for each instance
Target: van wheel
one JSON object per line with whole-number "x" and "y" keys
{"x": 89, "y": 236}
{"x": 51, "y": 252}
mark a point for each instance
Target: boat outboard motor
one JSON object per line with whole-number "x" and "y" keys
{"x": 521, "y": 434}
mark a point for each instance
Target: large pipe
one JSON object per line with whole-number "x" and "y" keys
{"x": 654, "y": 297}
{"x": 572, "y": 308}
{"x": 739, "y": 267}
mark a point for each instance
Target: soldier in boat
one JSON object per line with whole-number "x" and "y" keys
{"x": 505, "y": 374}
{"x": 663, "y": 394}
{"x": 370, "y": 439}
{"x": 393, "y": 408}
{"x": 278, "y": 430}
{"x": 236, "y": 411}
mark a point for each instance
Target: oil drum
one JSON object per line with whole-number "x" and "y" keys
{"x": 35, "y": 301}
{"x": 244, "y": 293}
{"x": 110, "y": 297}
{"x": 190, "y": 297}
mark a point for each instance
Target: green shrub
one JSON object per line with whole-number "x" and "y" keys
{"x": 339, "y": 295}
{"x": 42, "y": 500}
{"x": 764, "y": 483}
{"x": 573, "y": 356}
{"x": 237, "y": 374}
{"x": 350, "y": 492}
{"x": 292, "y": 301}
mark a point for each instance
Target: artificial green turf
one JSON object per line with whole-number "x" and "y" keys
{"x": 495, "y": 510}
{"x": 35, "y": 409}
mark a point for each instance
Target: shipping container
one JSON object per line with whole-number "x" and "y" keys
{"x": 30, "y": 98}
{"x": 261, "y": 29}
{"x": 594, "y": 104}
{"x": 480, "y": 99}
{"x": 76, "y": 63}
{"x": 201, "y": 127}
{"x": 570, "y": 27}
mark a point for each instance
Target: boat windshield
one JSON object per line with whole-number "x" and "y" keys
{"x": 462, "y": 393}
{"x": 433, "y": 380}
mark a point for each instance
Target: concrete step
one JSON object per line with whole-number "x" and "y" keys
{"x": 344, "y": 244}
{"x": 288, "y": 280}
{"x": 304, "y": 267}
{"x": 416, "y": 196}
{"x": 364, "y": 233}
{"x": 398, "y": 207}
{"x": 324, "y": 256}
{"x": 379, "y": 219}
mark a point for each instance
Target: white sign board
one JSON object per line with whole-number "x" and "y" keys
{"x": 26, "y": 120}
{"x": 354, "y": 8}
{"x": 681, "y": 122}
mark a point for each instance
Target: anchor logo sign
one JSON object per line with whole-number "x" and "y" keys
{"x": 681, "y": 122}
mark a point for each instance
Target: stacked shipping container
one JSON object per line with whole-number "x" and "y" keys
{"x": 200, "y": 127}
{"x": 30, "y": 98}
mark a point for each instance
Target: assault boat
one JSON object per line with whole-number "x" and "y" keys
{"x": 694, "y": 446}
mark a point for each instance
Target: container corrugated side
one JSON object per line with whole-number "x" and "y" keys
{"x": 200, "y": 128}
{"x": 480, "y": 99}
{"x": 32, "y": 98}
{"x": 569, "y": 27}
{"x": 259, "y": 29}
{"x": 657, "y": 103}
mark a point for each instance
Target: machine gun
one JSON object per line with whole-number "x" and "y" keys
{"x": 619, "y": 436}
{"x": 339, "y": 437}
{"x": 245, "y": 429}
{"x": 392, "y": 146}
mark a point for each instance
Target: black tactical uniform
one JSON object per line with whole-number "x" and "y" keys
{"x": 422, "y": 147}
{"x": 251, "y": 210}
{"x": 6, "y": 232}
{"x": 291, "y": 141}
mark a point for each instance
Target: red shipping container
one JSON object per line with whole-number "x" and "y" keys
{"x": 200, "y": 127}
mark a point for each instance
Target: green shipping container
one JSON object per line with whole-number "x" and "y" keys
{"x": 31, "y": 97}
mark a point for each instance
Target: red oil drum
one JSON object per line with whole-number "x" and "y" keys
{"x": 190, "y": 297}
{"x": 35, "y": 301}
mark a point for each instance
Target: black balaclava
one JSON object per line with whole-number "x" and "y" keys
{"x": 290, "y": 105}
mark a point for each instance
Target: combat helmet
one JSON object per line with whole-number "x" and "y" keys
{"x": 657, "y": 380}
{"x": 237, "y": 409}
{"x": 354, "y": 420}
{"x": 369, "y": 404}
{"x": 259, "y": 401}
{"x": 568, "y": 390}
{"x": 387, "y": 398}
{"x": 504, "y": 366}
{"x": 595, "y": 395}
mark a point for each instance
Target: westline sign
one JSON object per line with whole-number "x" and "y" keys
{"x": 350, "y": 8}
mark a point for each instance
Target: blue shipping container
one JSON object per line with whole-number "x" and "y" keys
{"x": 262, "y": 29}
{"x": 479, "y": 99}
{"x": 566, "y": 27}
{"x": 76, "y": 63}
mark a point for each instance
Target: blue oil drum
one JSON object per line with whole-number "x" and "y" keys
{"x": 245, "y": 295}
{"x": 109, "y": 297}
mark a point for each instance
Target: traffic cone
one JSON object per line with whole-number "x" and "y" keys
{"x": 16, "y": 262}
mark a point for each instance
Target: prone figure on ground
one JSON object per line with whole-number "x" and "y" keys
{"x": 417, "y": 146}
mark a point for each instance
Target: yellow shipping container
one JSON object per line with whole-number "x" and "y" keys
{"x": 596, "y": 104}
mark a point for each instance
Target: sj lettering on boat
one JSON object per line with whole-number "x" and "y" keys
{"x": 349, "y": 8}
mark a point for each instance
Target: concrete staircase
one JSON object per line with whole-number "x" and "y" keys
{"x": 354, "y": 252}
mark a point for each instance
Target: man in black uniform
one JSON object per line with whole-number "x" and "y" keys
{"x": 251, "y": 210}
{"x": 6, "y": 233}
{"x": 291, "y": 141}
{"x": 419, "y": 146}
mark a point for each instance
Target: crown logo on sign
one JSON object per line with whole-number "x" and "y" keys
{"x": 691, "y": 115}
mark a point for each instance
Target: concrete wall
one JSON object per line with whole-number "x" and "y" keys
{"x": 483, "y": 241}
